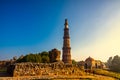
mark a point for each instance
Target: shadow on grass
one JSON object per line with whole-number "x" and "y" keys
{"x": 3, "y": 73}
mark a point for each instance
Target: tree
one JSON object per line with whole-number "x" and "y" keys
{"x": 30, "y": 58}
{"x": 45, "y": 59}
{"x": 15, "y": 58}
{"x": 21, "y": 56}
{"x": 109, "y": 62}
{"x": 44, "y": 53}
{"x": 74, "y": 62}
{"x": 39, "y": 57}
{"x": 114, "y": 64}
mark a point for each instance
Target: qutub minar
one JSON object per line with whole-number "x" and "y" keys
{"x": 66, "y": 57}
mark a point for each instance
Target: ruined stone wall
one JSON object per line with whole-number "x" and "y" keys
{"x": 41, "y": 69}
{"x": 54, "y": 55}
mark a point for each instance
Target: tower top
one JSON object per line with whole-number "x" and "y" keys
{"x": 66, "y": 23}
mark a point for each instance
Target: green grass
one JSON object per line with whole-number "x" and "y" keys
{"x": 107, "y": 73}
{"x": 3, "y": 69}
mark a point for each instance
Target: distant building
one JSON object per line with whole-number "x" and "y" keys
{"x": 54, "y": 55}
{"x": 91, "y": 63}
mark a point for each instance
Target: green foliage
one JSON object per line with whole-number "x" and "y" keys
{"x": 40, "y": 58}
{"x": 107, "y": 73}
{"x": 44, "y": 53}
{"x": 45, "y": 59}
{"x": 109, "y": 62}
{"x": 3, "y": 69}
{"x": 74, "y": 62}
{"x": 114, "y": 64}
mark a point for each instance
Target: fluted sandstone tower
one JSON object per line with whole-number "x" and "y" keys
{"x": 66, "y": 57}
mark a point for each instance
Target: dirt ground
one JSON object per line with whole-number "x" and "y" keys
{"x": 6, "y": 76}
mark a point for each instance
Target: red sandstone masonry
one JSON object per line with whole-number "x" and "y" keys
{"x": 43, "y": 69}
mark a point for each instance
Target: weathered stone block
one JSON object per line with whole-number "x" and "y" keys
{"x": 40, "y": 69}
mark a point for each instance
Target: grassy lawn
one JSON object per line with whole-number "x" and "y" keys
{"x": 107, "y": 73}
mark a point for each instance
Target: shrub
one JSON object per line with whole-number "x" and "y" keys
{"x": 107, "y": 73}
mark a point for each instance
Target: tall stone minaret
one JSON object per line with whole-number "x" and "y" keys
{"x": 66, "y": 57}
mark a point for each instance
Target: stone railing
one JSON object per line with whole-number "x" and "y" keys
{"x": 43, "y": 69}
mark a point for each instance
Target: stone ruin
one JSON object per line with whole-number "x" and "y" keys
{"x": 41, "y": 69}
{"x": 55, "y": 67}
{"x": 54, "y": 55}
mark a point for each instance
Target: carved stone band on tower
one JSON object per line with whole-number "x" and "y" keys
{"x": 66, "y": 57}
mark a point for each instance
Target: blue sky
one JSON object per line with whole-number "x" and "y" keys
{"x": 31, "y": 26}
